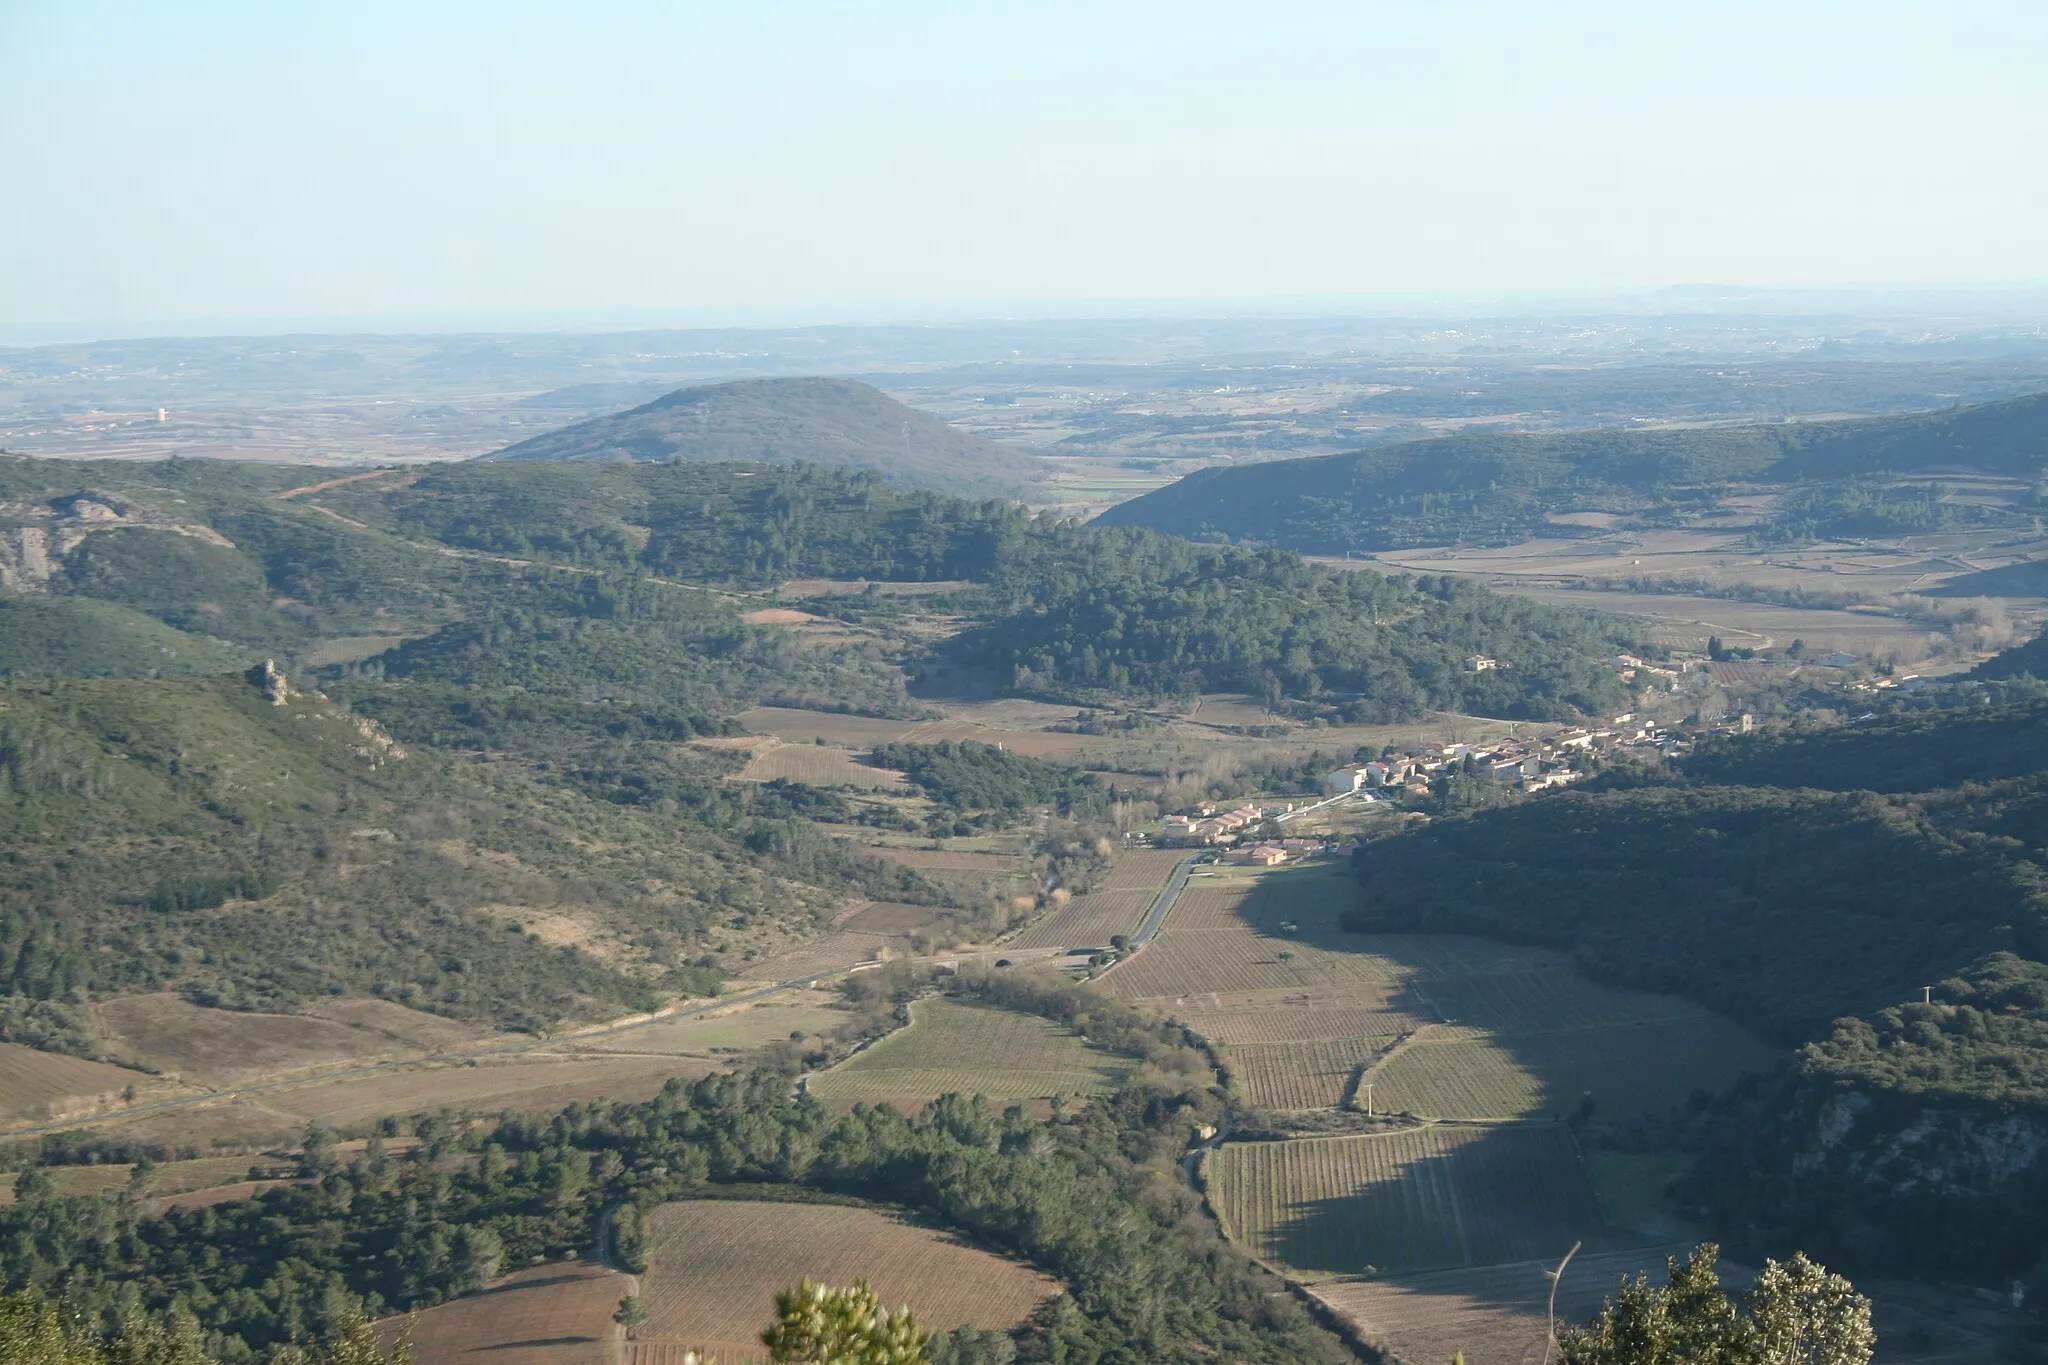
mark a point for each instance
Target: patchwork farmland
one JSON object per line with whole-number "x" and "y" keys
{"x": 972, "y": 1050}
{"x": 714, "y": 1266}
{"x": 1446, "y": 1220}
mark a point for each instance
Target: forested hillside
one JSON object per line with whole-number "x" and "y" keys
{"x": 543, "y": 642}
{"x": 1153, "y": 615}
{"x": 1813, "y": 883}
{"x": 836, "y": 422}
{"x": 1498, "y": 487}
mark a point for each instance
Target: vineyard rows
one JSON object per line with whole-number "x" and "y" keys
{"x": 1089, "y": 921}
{"x": 714, "y": 1266}
{"x": 1416, "y": 1199}
{"x": 1551, "y": 999}
{"x": 974, "y": 1050}
{"x": 1650, "y": 1069}
{"x": 1308, "y": 1075}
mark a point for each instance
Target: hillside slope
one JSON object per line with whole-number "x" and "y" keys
{"x": 1876, "y": 892}
{"x": 839, "y": 422}
{"x": 1499, "y": 487}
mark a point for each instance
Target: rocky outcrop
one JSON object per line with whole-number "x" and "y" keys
{"x": 35, "y": 538}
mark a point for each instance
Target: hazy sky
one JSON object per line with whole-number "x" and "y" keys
{"x": 196, "y": 160}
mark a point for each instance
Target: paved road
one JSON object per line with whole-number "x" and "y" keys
{"x": 1155, "y": 918}
{"x": 723, "y": 1002}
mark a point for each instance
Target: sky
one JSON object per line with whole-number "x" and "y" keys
{"x": 200, "y": 162}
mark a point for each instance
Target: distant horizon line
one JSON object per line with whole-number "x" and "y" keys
{"x": 2027, "y": 300}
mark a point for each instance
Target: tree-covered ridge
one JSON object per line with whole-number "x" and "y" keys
{"x": 1786, "y": 909}
{"x": 1500, "y": 487}
{"x": 1131, "y": 612}
{"x": 192, "y": 836}
{"x": 1907, "y": 750}
{"x": 2029, "y": 660}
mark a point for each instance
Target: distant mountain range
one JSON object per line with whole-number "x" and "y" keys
{"x": 840, "y": 422}
{"x": 1494, "y": 487}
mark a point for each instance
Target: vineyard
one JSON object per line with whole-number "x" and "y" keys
{"x": 1548, "y": 1000}
{"x": 1417, "y": 1199}
{"x": 1649, "y": 1069}
{"x": 1089, "y": 921}
{"x": 1307, "y": 1075}
{"x": 714, "y": 1266}
{"x": 1299, "y": 1018}
{"x": 1140, "y": 868}
{"x": 972, "y": 1050}
{"x": 545, "y": 1315}
{"x": 1494, "y": 1314}
{"x": 47, "y": 1085}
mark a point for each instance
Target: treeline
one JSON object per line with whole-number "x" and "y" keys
{"x": 1146, "y": 1276}
{"x": 1787, "y": 909}
{"x": 969, "y": 777}
{"x": 1496, "y": 487}
{"x": 1907, "y": 750}
{"x": 1101, "y": 613}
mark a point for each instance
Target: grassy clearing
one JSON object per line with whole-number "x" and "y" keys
{"x": 817, "y": 765}
{"x": 975, "y": 1050}
{"x": 538, "y": 1082}
{"x": 1417, "y": 1199}
{"x": 1647, "y": 1069}
{"x": 741, "y": 1031}
{"x": 831, "y": 953}
{"x": 713, "y": 1267}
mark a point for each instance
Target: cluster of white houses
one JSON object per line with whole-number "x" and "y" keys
{"x": 1531, "y": 764}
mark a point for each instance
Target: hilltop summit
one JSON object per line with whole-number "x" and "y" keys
{"x": 781, "y": 421}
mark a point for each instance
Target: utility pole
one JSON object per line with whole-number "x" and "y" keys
{"x": 1368, "y": 1099}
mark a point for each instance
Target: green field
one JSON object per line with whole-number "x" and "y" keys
{"x": 1417, "y": 1199}
{"x": 973, "y": 1050}
{"x": 1646, "y": 1070}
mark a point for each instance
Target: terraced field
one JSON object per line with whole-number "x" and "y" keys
{"x": 972, "y": 1050}
{"x": 1416, "y": 1199}
{"x": 714, "y": 1266}
{"x": 1648, "y": 1069}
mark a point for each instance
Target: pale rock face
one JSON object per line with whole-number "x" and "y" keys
{"x": 25, "y": 564}
{"x": 31, "y": 554}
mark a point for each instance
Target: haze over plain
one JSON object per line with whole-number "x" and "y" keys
{"x": 472, "y": 166}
